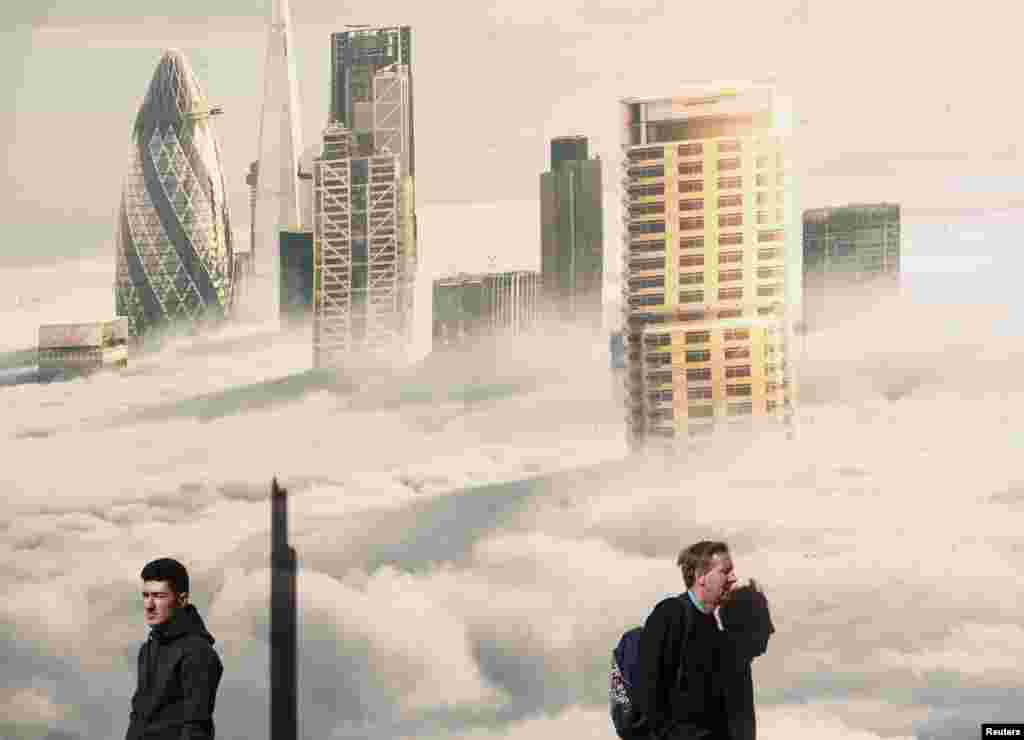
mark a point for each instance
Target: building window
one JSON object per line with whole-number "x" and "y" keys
{"x": 730, "y": 313}
{"x": 691, "y": 186}
{"x": 696, "y": 260}
{"x": 725, "y": 276}
{"x": 740, "y": 389}
{"x": 646, "y": 300}
{"x": 763, "y": 181}
{"x": 740, "y": 371}
{"x": 638, "y": 172}
{"x": 768, "y": 272}
{"x": 737, "y": 353}
{"x": 647, "y": 209}
{"x": 651, "y": 282}
{"x": 766, "y": 311}
{"x": 780, "y": 215}
{"x": 691, "y": 168}
{"x": 764, "y": 291}
{"x": 727, "y": 257}
{"x": 732, "y": 219}
{"x": 701, "y": 412}
{"x": 730, "y": 201}
{"x": 652, "y": 246}
{"x": 641, "y": 191}
{"x": 694, "y": 204}
{"x": 692, "y": 222}
{"x": 730, "y": 183}
{"x": 776, "y": 235}
{"x": 762, "y": 163}
{"x": 691, "y": 278}
{"x": 690, "y": 150}
{"x": 660, "y": 396}
{"x": 661, "y": 358}
{"x": 780, "y": 177}
{"x": 660, "y": 377}
{"x": 761, "y": 198}
{"x": 698, "y": 394}
{"x": 736, "y": 335}
{"x": 697, "y": 337}
{"x": 636, "y": 155}
{"x": 762, "y": 217}
{"x": 730, "y": 294}
{"x": 741, "y": 409}
{"x": 730, "y": 239}
{"x": 692, "y": 242}
{"x": 702, "y": 355}
{"x": 698, "y": 373}
{"x": 647, "y": 227}
{"x": 769, "y": 254}
{"x": 657, "y": 340}
{"x": 729, "y": 164}
{"x": 687, "y": 316}
{"x": 640, "y": 265}
{"x": 691, "y": 296}
{"x": 729, "y": 146}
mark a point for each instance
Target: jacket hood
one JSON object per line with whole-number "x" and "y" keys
{"x": 186, "y": 621}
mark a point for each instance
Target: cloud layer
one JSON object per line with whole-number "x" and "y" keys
{"x": 473, "y": 538}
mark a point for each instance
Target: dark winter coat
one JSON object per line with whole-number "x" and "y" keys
{"x": 696, "y": 708}
{"x": 747, "y": 631}
{"x": 179, "y": 672}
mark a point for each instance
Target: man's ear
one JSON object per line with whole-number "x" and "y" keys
{"x": 183, "y": 599}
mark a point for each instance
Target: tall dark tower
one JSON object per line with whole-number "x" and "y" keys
{"x": 572, "y": 238}
{"x": 283, "y": 633}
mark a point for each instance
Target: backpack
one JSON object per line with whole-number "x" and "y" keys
{"x": 629, "y": 723}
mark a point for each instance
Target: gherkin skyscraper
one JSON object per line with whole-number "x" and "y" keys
{"x": 174, "y": 249}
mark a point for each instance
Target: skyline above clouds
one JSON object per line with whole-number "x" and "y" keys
{"x": 888, "y": 114}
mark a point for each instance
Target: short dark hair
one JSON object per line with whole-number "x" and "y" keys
{"x": 696, "y": 560}
{"x": 170, "y": 570}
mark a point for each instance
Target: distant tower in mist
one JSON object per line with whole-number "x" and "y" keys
{"x": 848, "y": 249}
{"x": 283, "y": 622}
{"x": 277, "y": 180}
{"x": 572, "y": 239}
{"x": 364, "y": 216}
{"x": 174, "y": 248}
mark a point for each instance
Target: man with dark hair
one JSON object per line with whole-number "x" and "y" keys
{"x": 179, "y": 671}
{"x": 695, "y": 709}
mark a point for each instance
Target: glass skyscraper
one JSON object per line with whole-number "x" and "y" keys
{"x": 572, "y": 233}
{"x": 844, "y": 248}
{"x": 174, "y": 249}
{"x": 364, "y": 216}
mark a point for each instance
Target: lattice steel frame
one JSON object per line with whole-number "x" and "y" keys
{"x": 332, "y": 260}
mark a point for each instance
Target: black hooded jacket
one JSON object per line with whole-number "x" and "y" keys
{"x": 179, "y": 672}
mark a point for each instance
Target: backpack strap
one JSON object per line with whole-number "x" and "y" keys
{"x": 687, "y": 627}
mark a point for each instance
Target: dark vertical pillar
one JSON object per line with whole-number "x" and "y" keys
{"x": 283, "y": 633}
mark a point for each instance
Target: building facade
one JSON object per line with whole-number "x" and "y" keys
{"x": 296, "y": 275}
{"x": 280, "y": 146}
{"x": 711, "y": 262}
{"x": 174, "y": 241}
{"x": 572, "y": 233}
{"x": 847, "y": 248}
{"x": 364, "y": 230}
{"x": 469, "y": 307}
{"x": 81, "y": 349}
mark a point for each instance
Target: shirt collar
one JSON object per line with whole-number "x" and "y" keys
{"x": 697, "y": 603}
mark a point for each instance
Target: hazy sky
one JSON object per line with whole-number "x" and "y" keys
{"x": 443, "y": 595}
{"x": 901, "y": 102}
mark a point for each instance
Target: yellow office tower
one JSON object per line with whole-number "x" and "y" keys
{"x": 712, "y": 262}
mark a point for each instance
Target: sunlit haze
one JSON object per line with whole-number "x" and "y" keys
{"x": 473, "y": 536}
